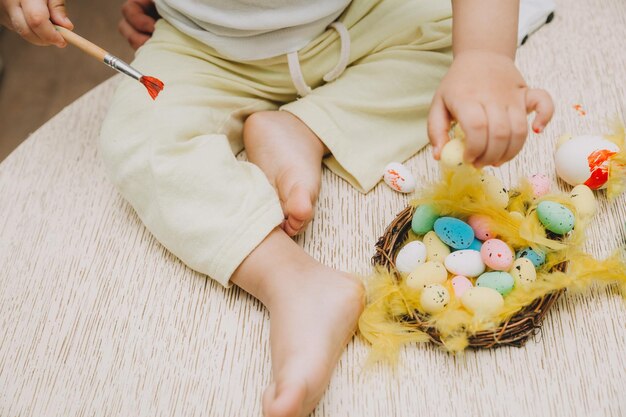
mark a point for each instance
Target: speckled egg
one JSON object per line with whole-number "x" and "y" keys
{"x": 436, "y": 250}
{"x": 460, "y": 284}
{"x": 495, "y": 190}
{"x": 555, "y": 217}
{"x": 482, "y": 226}
{"x": 585, "y": 202}
{"x": 537, "y": 257}
{"x": 426, "y": 274}
{"x": 497, "y": 255}
{"x": 452, "y": 154}
{"x": 454, "y": 232}
{"x": 399, "y": 178}
{"x": 523, "y": 271}
{"x": 476, "y": 245}
{"x": 482, "y": 301}
{"x": 500, "y": 281}
{"x": 465, "y": 262}
{"x": 424, "y": 218}
{"x": 541, "y": 184}
{"x": 412, "y": 255}
{"x": 434, "y": 298}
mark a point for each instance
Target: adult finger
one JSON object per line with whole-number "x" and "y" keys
{"x": 134, "y": 38}
{"x": 38, "y": 19}
{"x": 499, "y": 127}
{"x": 438, "y": 125}
{"x": 136, "y": 16}
{"x": 58, "y": 14}
{"x": 541, "y": 103}
{"x": 519, "y": 132}
{"x": 473, "y": 120}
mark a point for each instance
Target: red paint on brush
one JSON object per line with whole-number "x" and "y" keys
{"x": 154, "y": 85}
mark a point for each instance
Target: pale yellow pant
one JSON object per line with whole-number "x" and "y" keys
{"x": 173, "y": 159}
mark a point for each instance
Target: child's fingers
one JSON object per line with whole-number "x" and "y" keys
{"x": 58, "y": 14}
{"x": 499, "y": 127}
{"x": 541, "y": 103}
{"x": 134, "y": 38}
{"x": 473, "y": 120}
{"x": 18, "y": 22}
{"x": 37, "y": 17}
{"x": 135, "y": 14}
{"x": 438, "y": 125}
{"x": 519, "y": 132}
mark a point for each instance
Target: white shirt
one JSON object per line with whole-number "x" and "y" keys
{"x": 252, "y": 29}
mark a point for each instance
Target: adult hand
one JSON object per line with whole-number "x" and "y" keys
{"x": 34, "y": 20}
{"x": 485, "y": 93}
{"x": 137, "y": 24}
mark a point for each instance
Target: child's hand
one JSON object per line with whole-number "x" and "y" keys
{"x": 137, "y": 24}
{"x": 33, "y": 20}
{"x": 487, "y": 95}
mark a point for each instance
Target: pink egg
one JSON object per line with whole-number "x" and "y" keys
{"x": 497, "y": 255}
{"x": 460, "y": 284}
{"x": 482, "y": 226}
{"x": 541, "y": 185}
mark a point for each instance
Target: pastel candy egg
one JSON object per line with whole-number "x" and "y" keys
{"x": 585, "y": 202}
{"x": 466, "y": 262}
{"x": 555, "y": 217}
{"x": 424, "y": 219}
{"x": 436, "y": 250}
{"x": 495, "y": 190}
{"x": 584, "y": 160}
{"x": 412, "y": 255}
{"x": 482, "y": 301}
{"x": 399, "y": 178}
{"x": 541, "y": 185}
{"x": 476, "y": 245}
{"x": 452, "y": 153}
{"x": 537, "y": 257}
{"x": 426, "y": 274}
{"x": 481, "y": 225}
{"x": 523, "y": 271}
{"x": 434, "y": 298}
{"x": 497, "y": 255}
{"x": 460, "y": 284}
{"x": 454, "y": 232}
{"x": 500, "y": 281}
{"x": 516, "y": 215}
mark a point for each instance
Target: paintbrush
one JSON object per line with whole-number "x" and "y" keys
{"x": 153, "y": 85}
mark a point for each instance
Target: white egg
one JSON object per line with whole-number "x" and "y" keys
{"x": 399, "y": 178}
{"x": 467, "y": 262}
{"x": 584, "y": 201}
{"x": 434, "y": 298}
{"x": 412, "y": 255}
{"x": 452, "y": 153}
{"x": 495, "y": 189}
{"x": 573, "y": 163}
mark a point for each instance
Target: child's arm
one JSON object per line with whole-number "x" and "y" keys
{"x": 32, "y": 20}
{"x": 483, "y": 89}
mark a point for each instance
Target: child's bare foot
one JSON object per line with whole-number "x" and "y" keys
{"x": 291, "y": 155}
{"x": 313, "y": 314}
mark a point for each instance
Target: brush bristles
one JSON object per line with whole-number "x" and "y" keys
{"x": 154, "y": 85}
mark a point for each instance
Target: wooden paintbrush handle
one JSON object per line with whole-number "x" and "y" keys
{"x": 82, "y": 43}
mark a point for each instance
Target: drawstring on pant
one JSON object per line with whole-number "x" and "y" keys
{"x": 295, "y": 70}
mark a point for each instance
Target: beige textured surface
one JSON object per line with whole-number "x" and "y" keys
{"x": 97, "y": 319}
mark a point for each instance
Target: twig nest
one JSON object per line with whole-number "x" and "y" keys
{"x": 497, "y": 255}
{"x": 467, "y": 263}
{"x": 426, "y": 274}
{"x": 494, "y": 188}
{"x": 482, "y": 301}
{"x": 555, "y": 217}
{"x": 398, "y": 177}
{"x": 500, "y": 281}
{"x": 584, "y": 201}
{"x": 523, "y": 271}
{"x": 424, "y": 219}
{"x": 452, "y": 154}
{"x": 412, "y": 255}
{"x": 434, "y": 298}
{"x": 585, "y": 160}
{"x": 436, "y": 250}
{"x": 541, "y": 185}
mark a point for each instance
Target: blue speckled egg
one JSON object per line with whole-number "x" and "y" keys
{"x": 555, "y": 217}
{"x": 537, "y": 257}
{"x": 500, "y": 281}
{"x": 454, "y": 232}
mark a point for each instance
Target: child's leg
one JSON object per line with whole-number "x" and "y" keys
{"x": 173, "y": 160}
